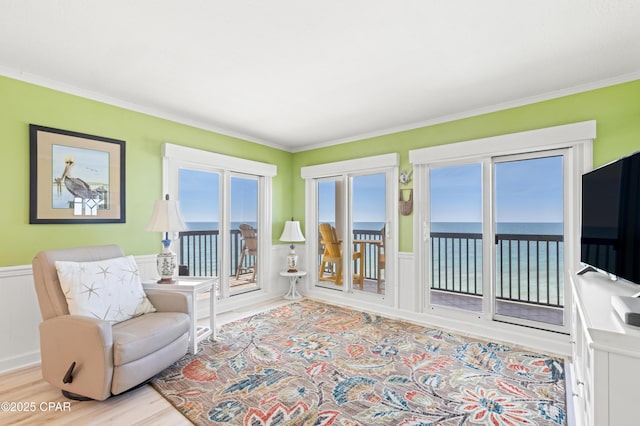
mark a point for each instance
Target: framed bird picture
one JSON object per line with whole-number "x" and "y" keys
{"x": 75, "y": 177}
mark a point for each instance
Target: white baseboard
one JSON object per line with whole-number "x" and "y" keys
{"x": 20, "y": 361}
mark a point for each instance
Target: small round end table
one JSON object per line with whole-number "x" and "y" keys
{"x": 293, "y": 294}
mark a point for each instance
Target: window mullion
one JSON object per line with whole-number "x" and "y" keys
{"x": 488, "y": 244}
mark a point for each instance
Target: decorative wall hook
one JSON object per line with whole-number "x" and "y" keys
{"x": 405, "y": 177}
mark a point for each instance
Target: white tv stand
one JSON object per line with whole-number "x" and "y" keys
{"x": 606, "y": 354}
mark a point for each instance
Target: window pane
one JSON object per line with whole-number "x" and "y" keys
{"x": 455, "y": 196}
{"x": 243, "y": 234}
{"x": 199, "y": 206}
{"x": 529, "y": 240}
{"x": 330, "y": 234}
{"x": 369, "y": 219}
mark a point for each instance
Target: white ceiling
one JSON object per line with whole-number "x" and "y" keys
{"x": 297, "y": 74}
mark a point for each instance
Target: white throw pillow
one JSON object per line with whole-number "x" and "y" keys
{"x": 108, "y": 289}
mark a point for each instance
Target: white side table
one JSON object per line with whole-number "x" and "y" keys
{"x": 293, "y": 294}
{"x": 192, "y": 287}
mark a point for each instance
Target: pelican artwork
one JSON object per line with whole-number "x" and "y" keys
{"x": 76, "y": 186}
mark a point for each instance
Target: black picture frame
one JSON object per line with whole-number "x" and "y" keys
{"x": 75, "y": 177}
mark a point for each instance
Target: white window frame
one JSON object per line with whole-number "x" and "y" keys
{"x": 576, "y": 137}
{"x": 175, "y": 157}
{"x": 385, "y": 163}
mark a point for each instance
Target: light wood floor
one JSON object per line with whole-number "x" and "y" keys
{"x": 143, "y": 406}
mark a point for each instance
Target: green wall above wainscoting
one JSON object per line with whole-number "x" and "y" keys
{"x": 615, "y": 108}
{"x": 22, "y": 103}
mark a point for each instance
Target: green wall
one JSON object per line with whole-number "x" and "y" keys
{"x": 616, "y": 110}
{"x": 22, "y": 104}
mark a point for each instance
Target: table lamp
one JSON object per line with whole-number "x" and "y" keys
{"x": 166, "y": 218}
{"x": 292, "y": 233}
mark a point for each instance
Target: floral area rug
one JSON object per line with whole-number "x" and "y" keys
{"x": 309, "y": 363}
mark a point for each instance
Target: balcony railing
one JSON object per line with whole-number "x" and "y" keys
{"x": 456, "y": 262}
{"x": 528, "y": 267}
{"x": 371, "y": 251}
{"x": 198, "y": 252}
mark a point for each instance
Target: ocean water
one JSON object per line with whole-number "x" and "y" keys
{"x": 526, "y": 270}
{"x": 528, "y": 228}
{"x": 213, "y": 226}
{"x": 545, "y": 228}
{"x": 363, "y": 226}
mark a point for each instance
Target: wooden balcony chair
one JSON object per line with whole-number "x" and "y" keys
{"x": 333, "y": 255}
{"x": 249, "y": 248}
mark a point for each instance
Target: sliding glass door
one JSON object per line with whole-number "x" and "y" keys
{"x": 199, "y": 246}
{"x": 496, "y": 238}
{"x": 330, "y": 230}
{"x": 220, "y": 242}
{"x": 368, "y": 224}
{"x": 243, "y": 233}
{"x": 352, "y": 229}
{"x": 455, "y": 194}
{"x": 529, "y": 238}
{"x": 352, "y": 253}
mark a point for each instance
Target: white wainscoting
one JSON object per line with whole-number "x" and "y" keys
{"x": 408, "y": 294}
{"x": 20, "y": 313}
{"x": 19, "y": 318}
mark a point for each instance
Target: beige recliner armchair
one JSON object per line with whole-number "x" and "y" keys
{"x": 89, "y": 358}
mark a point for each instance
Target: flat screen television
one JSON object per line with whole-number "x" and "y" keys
{"x": 610, "y": 240}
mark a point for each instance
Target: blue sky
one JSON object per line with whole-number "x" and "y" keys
{"x": 526, "y": 191}
{"x": 199, "y": 197}
{"x": 456, "y": 193}
{"x": 530, "y": 190}
{"x": 369, "y": 199}
{"x": 199, "y": 200}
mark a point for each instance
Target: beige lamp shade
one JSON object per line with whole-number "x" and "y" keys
{"x": 292, "y": 232}
{"x": 166, "y": 217}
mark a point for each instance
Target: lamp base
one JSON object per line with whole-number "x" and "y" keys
{"x": 292, "y": 261}
{"x": 167, "y": 262}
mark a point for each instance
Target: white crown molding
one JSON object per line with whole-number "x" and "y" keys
{"x": 479, "y": 111}
{"x": 73, "y": 90}
{"x": 99, "y": 97}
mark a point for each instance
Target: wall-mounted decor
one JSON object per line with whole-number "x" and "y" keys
{"x": 405, "y": 207}
{"x": 405, "y": 204}
{"x": 75, "y": 178}
{"x": 405, "y": 177}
